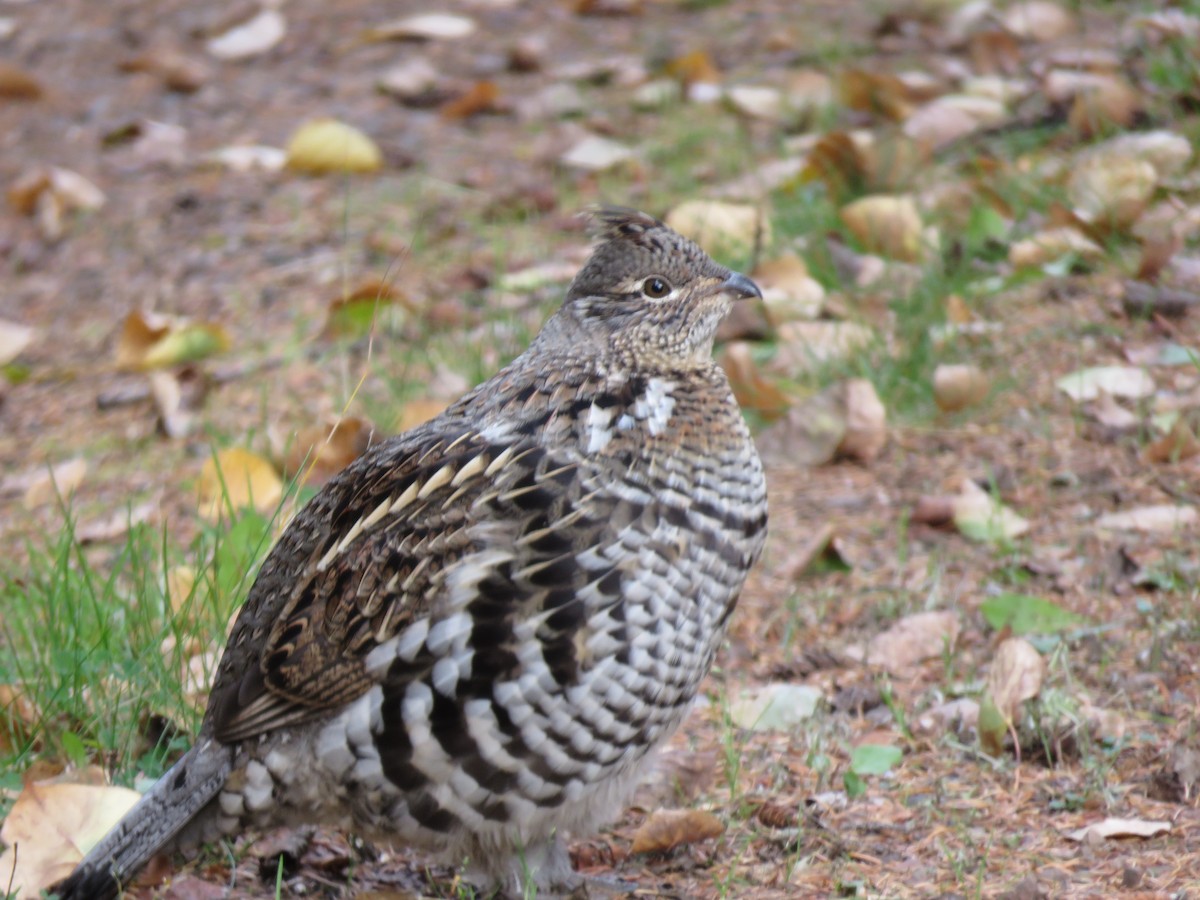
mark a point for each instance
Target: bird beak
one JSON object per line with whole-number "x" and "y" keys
{"x": 741, "y": 287}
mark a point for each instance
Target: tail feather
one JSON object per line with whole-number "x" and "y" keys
{"x": 172, "y": 803}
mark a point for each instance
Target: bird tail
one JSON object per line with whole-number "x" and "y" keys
{"x": 170, "y": 804}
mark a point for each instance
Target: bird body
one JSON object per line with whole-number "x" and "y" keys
{"x": 471, "y": 639}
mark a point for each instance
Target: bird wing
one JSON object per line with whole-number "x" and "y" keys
{"x": 433, "y": 539}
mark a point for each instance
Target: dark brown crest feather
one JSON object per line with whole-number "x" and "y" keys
{"x": 610, "y": 222}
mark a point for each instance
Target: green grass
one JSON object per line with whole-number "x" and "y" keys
{"x": 95, "y": 646}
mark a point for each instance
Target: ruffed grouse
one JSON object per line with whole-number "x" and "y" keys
{"x": 470, "y": 640}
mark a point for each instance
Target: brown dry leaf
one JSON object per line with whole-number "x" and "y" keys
{"x": 17, "y": 84}
{"x": 321, "y": 451}
{"x": 481, "y": 97}
{"x": 945, "y": 120}
{"x": 911, "y": 640}
{"x": 994, "y": 51}
{"x": 1157, "y": 251}
{"x": 1111, "y": 191}
{"x": 886, "y": 224}
{"x": 326, "y": 145}
{"x": 957, "y": 311}
{"x": 892, "y": 161}
{"x": 666, "y": 829}
{"x": 177, "y": 71}
{"x": 608, "y": 7}
{"x": 1016, "y": 675}
{"x": 68, "y": 189}
{"x": 789, "y": 292}
{"x": 1052, "y": 244}
{"x": 1178, "y": 444}
{"x": 151, "y": 340}
{"x": 1111, "y": 414}
{"x": 1038, "y": 20}
{"x": 1113, "y": 103}
{"x": 14, "y": 338}
{"x": 57, "y": 481}
{"x": 236, "y": 479}
{"x": 956, "y": 387}
{"x": 423, "y": 27}
{"x": 252, "y": 37}
{"x": 418, "y": 412}
{"x": 804, "y": 345}
{"x": 692, "y": 68}
{"x": 810, "y": 433}
{"x": 117, "y": 524}
{"x": 1157, "y": 518}
{"x": 879, "y": 93}
{"x": 179, "y": 397}
{"x": 721, "y": 228}
{"x": 1119, "y": 828}
{"x": 866, "y": 421}
{"x": 50, "y": 828}
{"x": 752, "y": 389}
{"x": 838, "y": 163}
{"x": 19, "y": 717}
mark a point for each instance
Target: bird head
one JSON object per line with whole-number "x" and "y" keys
{"x": 650, "y": 293}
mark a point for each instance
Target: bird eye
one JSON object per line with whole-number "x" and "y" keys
{"x": 656, "y": 288}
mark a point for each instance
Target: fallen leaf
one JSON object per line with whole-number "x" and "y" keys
{"x": 666, "y": 829}
{"x": 179, "y": 397}
{"x": 177, "y": 71}
{"x": 56, "y": 481}
{"x": 1016, "y": 675}
{"x": 879, "y": 93}
{"x": 418, "y": 412}
{"x": 1119, "y": 828}
{"x": 250, "y": 38}
{"x": 14, "y": 338}
{"x": 1051, "y": 245}
{"x": 50, "y": 828}
{"x": 19, "y": 717}
{"x": 1112, "y": 191}
{"x": 327, "y": 145}
{"x": 413, "y": 81}
{"x": 17, "y": 84}
{"x": 1113, "y": 103}
{"x": 956, "y": 387}
{"x": 321, "y": 451}
{"x": 423, "y": 27}
{"x": 69, "y": 189}
{"x": 1132, "y": 382}
{"x": 779, "y": 706}
{"x": 694, "y": 68}
{"x": 479, "y": 98}
{"x": 981, "y": 517}
{"x": 789, "y": 293}
{"x": 116, "y": 525}
{"x": 750, "y": 387}
{"x": 151, "y": 340}
{"x": 911, "y": 640}
{"x": 837, "y": 161}
{"x": 596, "y": 154}
{"x": 249, "y": 157}
{"x": 1167, "y": 151}
{"x": 1027, "y": 614}
{"x": 721, "y": 228}
{"x": 866, "y": 421}
{"x": 802, "y": 346}
{"x": 355, "y": 313}
{"x": 1109, "y": 413}
{"x": 886, "y": 224}
{"x": 810, "y": 433}
{"x": 235, "y": 479}
{"x": 1178, "y": 444}
{"x": 757, "y": 102}
{"x": 1158, "y": 518}
{"x": 1038, "y": 20}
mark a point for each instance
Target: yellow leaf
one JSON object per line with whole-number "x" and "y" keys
{"x": 52, "y": 826}
{"x": 237, "y": 478}
{"x": 666, "y": 829}
{"x": 151, "y": 341}
{"x": 327, "y": 145}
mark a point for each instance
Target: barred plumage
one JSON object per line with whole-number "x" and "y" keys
{"x": 470, "y": 640}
